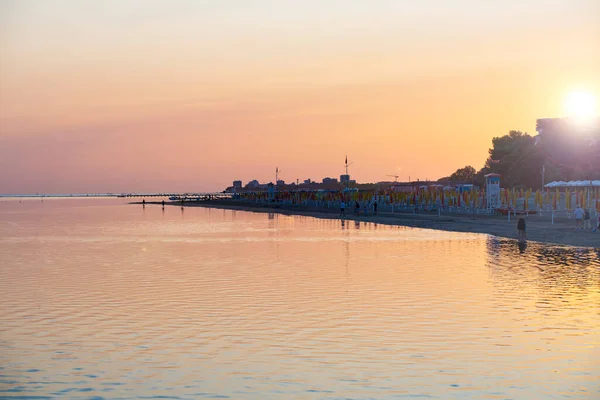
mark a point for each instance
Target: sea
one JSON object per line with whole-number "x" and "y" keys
{"x": 104, "y": 299}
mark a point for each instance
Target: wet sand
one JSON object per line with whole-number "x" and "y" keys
{"x": 538, "y": 229}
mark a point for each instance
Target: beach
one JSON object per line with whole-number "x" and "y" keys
{"x": 539, "y": 229}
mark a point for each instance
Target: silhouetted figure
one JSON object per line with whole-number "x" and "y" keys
{"x": 375, "y": 208}
{"x": 163, "y": 204}
{"x": 357, "y": 208}
{"x": 144, "y": 203}
{"x": 578, "y": 217}
{"x": 521, "y": 228}
{"x": 587, "y": 222}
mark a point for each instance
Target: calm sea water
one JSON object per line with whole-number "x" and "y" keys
{"x": 103, "y": 299}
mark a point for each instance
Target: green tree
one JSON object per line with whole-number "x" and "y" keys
{"x": 515, "y": 157}
{"x": 466, "y": 174}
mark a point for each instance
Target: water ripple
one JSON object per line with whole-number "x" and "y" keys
{"x": 117, "y": 301}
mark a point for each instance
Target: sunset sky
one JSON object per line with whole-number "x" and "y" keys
{"x": 146, "y": 95}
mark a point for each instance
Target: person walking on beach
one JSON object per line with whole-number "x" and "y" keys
{"x": 342, "y": 208}
{"x": 375, "y": 208}
{"x": 578, "y": 218}
{"x": 357, "y": 208}
{"x": 521, "y": 228}
{"x": 587, "y": 223}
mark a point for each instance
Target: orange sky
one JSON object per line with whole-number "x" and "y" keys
{"x": 177, "y": 95}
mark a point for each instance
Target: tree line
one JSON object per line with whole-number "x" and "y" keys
{"x": 521, "y": 162}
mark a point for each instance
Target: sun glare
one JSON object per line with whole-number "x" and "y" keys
{"x": 580, "y": 105}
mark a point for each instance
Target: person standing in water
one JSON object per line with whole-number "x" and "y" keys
{"x": 343, "y": 208}
{"x": 521, "y": 228}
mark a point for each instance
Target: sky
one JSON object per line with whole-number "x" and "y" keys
{"x": 147, "y": 95}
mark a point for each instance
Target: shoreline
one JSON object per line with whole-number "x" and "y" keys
{"x": 538, "y": 229}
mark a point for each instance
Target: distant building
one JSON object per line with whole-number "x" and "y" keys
{"x": 307, "y": 181}
{"x": 345, "y": 178}
{"x": 237, "y": 184}
{"x": 569, "y": 146}
{"x": 330, "y": 180}
{"x": 550, "y": 129}
{"x": 280, "y": 182}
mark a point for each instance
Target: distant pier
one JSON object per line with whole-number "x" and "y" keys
{"x": 182, "y": 196}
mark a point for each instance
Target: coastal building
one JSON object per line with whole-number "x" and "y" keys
{"x": 329, "y": 180}
{"x": 345, "y": 178}
{"x": 307, "y": 181}
{"x": 280, "y": 182}
{"x": 237, "y": 184}
{"x": 569, "y": 147}
{"x": 549, "y": 128}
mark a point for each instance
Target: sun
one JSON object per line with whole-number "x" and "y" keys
{"x": 580, "y": 105}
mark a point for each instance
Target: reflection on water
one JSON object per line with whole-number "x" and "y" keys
{"x": 103, "y": 299}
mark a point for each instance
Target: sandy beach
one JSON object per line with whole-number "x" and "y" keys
{"x": 538, "y": 229}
